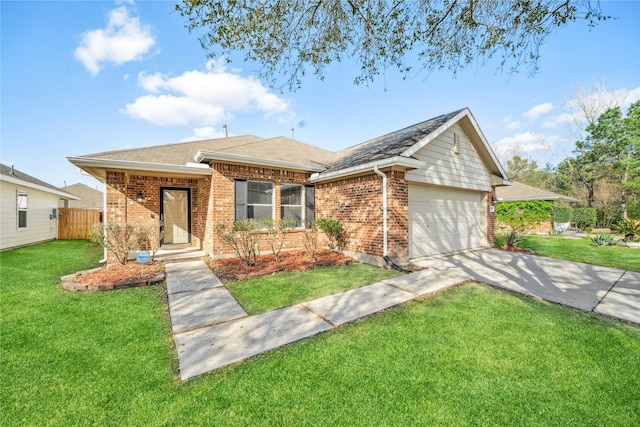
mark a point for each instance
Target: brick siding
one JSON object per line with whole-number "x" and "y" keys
{"x": 357, "y": 203}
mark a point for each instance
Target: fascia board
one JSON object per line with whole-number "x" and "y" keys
{"x": 27, "y": 184}
{"x": 391, "y": 161}
{"x": 140, "y": 166}
{"x": 205, "y": 155}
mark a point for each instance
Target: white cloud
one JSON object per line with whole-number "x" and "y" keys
{"x": 524, "y": 142}
{"x": 204, "y": 98}
{"x": 124, "y": 39}
{"x": 538, "y": 110}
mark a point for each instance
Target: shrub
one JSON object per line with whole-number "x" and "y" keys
{"x": 276, "y": 233}
{"x": 243, "y": 236}
{"x": 499, "y": 240}
{"x": 311, "y": 238}
{"x": 119, "y": 239}
{"x": 603, "y": 239}
{"x": 584, "y": 217}
{"x": 334, "y": 231}
{"x": 150, "y": 237}
{"x": 629, "y": 228}
{"x": 561, "y": 214}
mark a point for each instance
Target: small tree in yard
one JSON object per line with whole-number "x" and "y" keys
{"x": 119, "y": 239}
{"x": 276, "y": 233}
{"x": 243, "y": 236}
{"x": 520, "y": 216}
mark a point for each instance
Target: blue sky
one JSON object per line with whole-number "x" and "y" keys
{"x": 84, "y": 77}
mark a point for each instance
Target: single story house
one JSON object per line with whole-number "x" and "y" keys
{"x": 423, "y": 190}
{"x": 519, "y": 192}
{"x": 28, "y": 208}
{"x": 90, "y": 198}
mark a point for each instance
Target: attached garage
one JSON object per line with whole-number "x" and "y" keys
{"x": 443, "y": 220}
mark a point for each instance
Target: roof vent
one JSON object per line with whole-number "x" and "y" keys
{"x": 224, "y": 127}
{"x": 13, "y": 171}
{"x": 292, "y": 129}
{"x": 456, "y": 143}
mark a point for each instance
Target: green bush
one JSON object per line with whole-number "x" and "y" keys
{"x": 334, "y": 231}
{"x": 584, "y": 217}
{"x": 561, "y": 214}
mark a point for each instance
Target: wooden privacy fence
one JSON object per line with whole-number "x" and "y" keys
{"x": 76, "y": 223}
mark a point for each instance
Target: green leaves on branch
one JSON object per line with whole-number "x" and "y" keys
{"x": 292, "y": 37}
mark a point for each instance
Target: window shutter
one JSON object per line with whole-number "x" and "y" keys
{"x": 240, "y": 193}
{"x": 309, "y": 204}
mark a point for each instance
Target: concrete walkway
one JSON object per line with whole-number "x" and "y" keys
{"x": 212, "y": 330}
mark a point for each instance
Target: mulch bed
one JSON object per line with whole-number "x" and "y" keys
{"x": 514, "y": 249}
{"x": 236, "y": 269}
{"x": 115, "y": 276}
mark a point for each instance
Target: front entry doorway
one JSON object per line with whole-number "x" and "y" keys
{"x": 175, "y": 216}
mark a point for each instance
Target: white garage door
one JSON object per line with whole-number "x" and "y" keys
{"x": 445, "y": 220}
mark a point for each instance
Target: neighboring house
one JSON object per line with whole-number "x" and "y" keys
{"x": 438, "y": 177}
{"x": 519, "y": 192}
{"x": 90, "y": 198}
{"x": 28, "y": 208}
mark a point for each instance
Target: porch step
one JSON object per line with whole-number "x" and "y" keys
{"x": 178, "y": 255}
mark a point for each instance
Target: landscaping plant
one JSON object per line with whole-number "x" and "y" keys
{"x": 311, "y": 238}
{"x": 603, "y": 239}
{"x": 276, "y": 233}
{"x": 584, "y": 217}
{"x": 119, "y": 239}
{"x": 334, "y": 232}
{"x": 243, "y": 236}
{"x": 629, "y": 228}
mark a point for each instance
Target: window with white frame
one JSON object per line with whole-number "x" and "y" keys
{"x": 23, "y": 204}
{"x": 253, "y": 199}
{"x": 291, "y": 203}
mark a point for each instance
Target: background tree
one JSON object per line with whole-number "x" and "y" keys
{"x": 289, "y": 37}
{"x": 614, "y": 144}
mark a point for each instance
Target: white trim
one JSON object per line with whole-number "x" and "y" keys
{"x": 141, "y": 166}
{"x": 433, "y": 135}
{"x": 206, "y": 155}
{"x": 28, "y": 184}
{"x": 391, "y": 161}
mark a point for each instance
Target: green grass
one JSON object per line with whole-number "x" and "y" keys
{"x": 282, "y": 290}
{"x": 582, "y": 251}
{"x": 471, "y": 355}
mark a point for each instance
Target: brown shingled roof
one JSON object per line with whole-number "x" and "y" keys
{"x": 7, "y": 171}
{"x": 521, "y": 192}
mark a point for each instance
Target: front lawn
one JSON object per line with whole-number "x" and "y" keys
{"x": 285, "y": 289}
{"x": 472, "y": 355}
{"x": 582, "y": 251}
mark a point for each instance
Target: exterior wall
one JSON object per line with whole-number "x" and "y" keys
{"x": 122, "y": 206}
{"x": 40, "y": 226}
{"x": 357, "y": 203}
{"x": 446, "y": 168}
{"x": 221, "y": 203}
{"x": 491, "y": 218}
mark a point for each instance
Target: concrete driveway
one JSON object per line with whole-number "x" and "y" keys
{"x": 603, "y": 290}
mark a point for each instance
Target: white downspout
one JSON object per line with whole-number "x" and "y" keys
{"x": 384, "y": 210}
{"x": 104, "y": 220}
